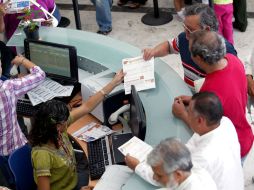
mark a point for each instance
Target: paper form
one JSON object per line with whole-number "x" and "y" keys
{"x": 48, "y": 90}
{"x": 139, "y": 73}
{"x": 136, "y": 148}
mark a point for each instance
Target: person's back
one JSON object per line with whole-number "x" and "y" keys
{"x": 11, "y": 136}
{"x": 218, "y": 152}
{"x": 233, "y": 95}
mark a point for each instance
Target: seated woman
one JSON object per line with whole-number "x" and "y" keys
{"x": 53, "y": 158}
{"x": 9, "y": 22}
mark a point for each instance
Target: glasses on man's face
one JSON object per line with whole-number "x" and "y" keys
{"x": 188, "y": 30}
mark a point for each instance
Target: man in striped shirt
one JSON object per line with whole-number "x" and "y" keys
{"x": 197, "y": 17}
{"x": 11, "y": 136}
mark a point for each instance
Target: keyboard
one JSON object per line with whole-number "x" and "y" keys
{"x": 99, "y": 157}
{"x": 25, "y": 108}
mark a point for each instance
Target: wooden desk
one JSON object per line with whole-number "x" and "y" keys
{"x": 79, "y": 124}
{"x": 76, "y": 126}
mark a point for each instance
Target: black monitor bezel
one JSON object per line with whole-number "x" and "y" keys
{"x": 141, "y": 117}
{"x": 72, "y": 56}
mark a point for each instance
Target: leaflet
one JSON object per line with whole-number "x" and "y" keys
{"x": 92, "y": 132}
{"x": 48, "y": 90}
{"x": 139, "y": 73}
{"x": 136, "y": 148}
{"x": 16, "y": 6}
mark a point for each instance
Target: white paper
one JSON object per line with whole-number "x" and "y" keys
{"x": 48, "y": 90}
{"x": 136, "y": 148}
{"x": 114, "y": 178}
{"x": 92, "y": 132}
{"x": 16, "y": 6}
{"x": 139, "y": 73}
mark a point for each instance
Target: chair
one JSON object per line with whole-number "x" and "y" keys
{"x": 21, "y": 166}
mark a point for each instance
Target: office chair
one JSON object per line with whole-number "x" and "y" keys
{"x": 21, "y": 166}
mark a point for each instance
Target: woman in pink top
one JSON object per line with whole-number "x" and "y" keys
{"x": 9, "y": 22}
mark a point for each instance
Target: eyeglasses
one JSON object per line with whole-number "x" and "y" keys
{"x": 188, "y": 30}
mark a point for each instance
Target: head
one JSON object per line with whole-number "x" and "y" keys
{"x": 205, "y": 112}
{"x": 50, "y": 120}
{"x": 199, "y": 17}
{"x": 171, "y": 162}
{"x": 207, "y": 48}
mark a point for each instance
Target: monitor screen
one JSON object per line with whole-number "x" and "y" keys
{"x": 54, "y": 59}
{"x": 137, "y": 120}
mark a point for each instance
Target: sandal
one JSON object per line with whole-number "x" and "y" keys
{"x": 134, "y": 5}
{"x": 104, "y": 32}
{"x": 122, "y": 2}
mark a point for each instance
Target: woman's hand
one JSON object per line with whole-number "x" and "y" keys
{"x": 118, "y": 78}
{"x": 18, "y": 60}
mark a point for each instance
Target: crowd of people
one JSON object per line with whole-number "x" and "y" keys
{"x": 222, "y": 137}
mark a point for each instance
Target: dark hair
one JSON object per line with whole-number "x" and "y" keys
{"x": 206, "y": 13}
{"x": 44, "y": 128}
{"x": 208, "y": 105}
{"x": 209, "y": 45}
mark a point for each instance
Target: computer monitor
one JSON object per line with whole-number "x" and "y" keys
{"x": 57, "y": 60}
{"x": 137, "y": 120}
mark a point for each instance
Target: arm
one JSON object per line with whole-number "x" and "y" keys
{"x": 141, "y": 168}
{"x": 249, "y": 75}
{"x": 179, "y": 111}
{"x": 24, "y": 84}
{"x": 160, "y": 50}
{"x": 2, "y": 13}
{"x": 94, "y": 100}
{"x": 43, "y": 183}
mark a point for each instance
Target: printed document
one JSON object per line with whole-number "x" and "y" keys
{"x": 16, "y": 6}
{"x": 136, "y": 148}
{"x": 48, "y": 90}
{"x": 139, "y": 73}
{"x": 92, "y": 132}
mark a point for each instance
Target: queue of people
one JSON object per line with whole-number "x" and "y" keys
{"x": 212, "y": 157}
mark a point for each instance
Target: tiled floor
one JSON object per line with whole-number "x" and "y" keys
{"x": 127, "y": 26}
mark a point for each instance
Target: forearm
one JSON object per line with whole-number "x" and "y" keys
{"x": 161, "y": 49}
{"x": 92, "y": 102}
{"x": 2, "y": 25}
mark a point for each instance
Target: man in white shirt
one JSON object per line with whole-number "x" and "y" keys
{"x": 173, "y": 169}
{"x": 214, "y": 145}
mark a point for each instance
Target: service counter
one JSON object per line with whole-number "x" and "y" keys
{"x": 109, "y": 53}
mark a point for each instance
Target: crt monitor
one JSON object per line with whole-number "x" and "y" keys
{"x": 137, "y": 120}
{"x": 57, "y": 60}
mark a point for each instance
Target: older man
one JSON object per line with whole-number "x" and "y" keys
{"x": 226, "y": 78}
{"x": 214, "y": 145}
{"x": 197, "y": 17}
{"x": 172, "y": 168}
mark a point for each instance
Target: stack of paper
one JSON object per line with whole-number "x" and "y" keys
{"x": 48, "y": 90}
{"x": 139, "y": 73}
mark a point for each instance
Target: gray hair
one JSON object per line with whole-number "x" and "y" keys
{"x": 206, "y": 13}
{"x": 209, "y": 45}
{"x": 173, "y": 154}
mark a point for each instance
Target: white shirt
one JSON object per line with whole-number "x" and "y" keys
{"x": 218, "y": 152}
{"x": 198, "y": 180}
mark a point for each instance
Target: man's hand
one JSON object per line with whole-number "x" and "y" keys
{"x": 185, "y": 99}
{"x": 131, "y": 162}
{"x": 179, "y": 109}
{"x": 250, "y": 85}
{"x": 148, "y": 53}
